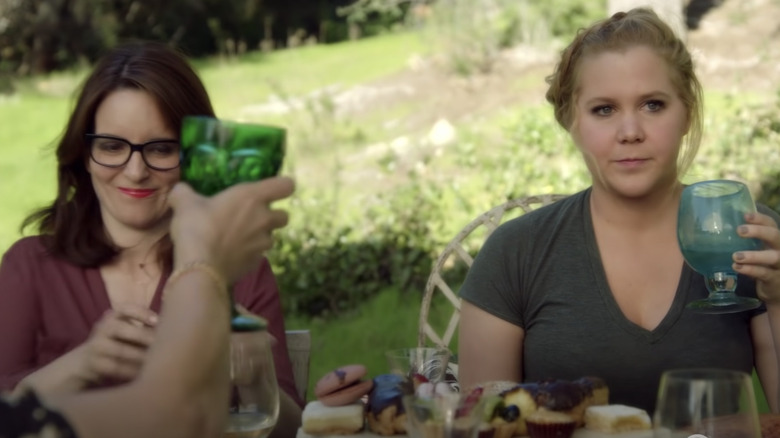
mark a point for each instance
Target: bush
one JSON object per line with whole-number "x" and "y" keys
{"x": 471, "y": 34}
{"x": 325, "y": 269}
{"x": 334, "y": 259}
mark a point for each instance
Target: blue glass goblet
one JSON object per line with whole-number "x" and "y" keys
{"x": 709, "y": 215}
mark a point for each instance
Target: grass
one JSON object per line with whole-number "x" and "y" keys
{"x": 34, "y": 118}
{"x": 387, "y": 321}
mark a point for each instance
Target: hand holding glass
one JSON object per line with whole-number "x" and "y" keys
{"x": 710, "y": 213}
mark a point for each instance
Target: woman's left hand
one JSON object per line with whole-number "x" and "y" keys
{"x": 764, "y": 264}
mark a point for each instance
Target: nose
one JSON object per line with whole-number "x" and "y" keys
{"x": 630, "y": 129}
{"x": 136, "y": 169}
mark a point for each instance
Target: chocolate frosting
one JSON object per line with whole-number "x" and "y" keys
{"x": 387, "y": 391}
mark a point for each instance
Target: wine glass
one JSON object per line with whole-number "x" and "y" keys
{"x": 430, "y": 362}
{"x": 219, "y": 153}
{"x": 710, "y": 402}
{"x": 452, "y": 415}
{"x": 254, "y": 395}
{"x": 709, "y": 215}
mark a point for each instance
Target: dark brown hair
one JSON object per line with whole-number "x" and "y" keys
{"x": 637, "y": 27}
{"x": 72, "y": 225}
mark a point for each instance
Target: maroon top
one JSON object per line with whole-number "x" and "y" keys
{"x": 48, "y": 307}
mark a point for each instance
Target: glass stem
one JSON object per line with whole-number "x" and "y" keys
{"x": 721, "y": 282}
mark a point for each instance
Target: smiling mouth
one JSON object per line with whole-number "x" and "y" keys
{"x": 137, "y": 193}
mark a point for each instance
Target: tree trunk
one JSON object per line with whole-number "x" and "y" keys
{"x": 671, "y": 11}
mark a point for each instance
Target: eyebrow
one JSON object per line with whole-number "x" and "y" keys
{"x": 652, "y": 94}
{"x": 116, "y": 137}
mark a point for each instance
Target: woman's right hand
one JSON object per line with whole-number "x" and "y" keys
{"x": 117, "y": 346}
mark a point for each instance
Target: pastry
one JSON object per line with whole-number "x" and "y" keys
{"x": 616, "y": 418}
{"x": 385, "y": 412}
{"x": 319, "y": 419}
{"x": 343, "y": 386}
{"x": 550, "y": 424}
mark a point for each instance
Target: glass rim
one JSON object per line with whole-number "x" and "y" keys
{"x": 230, "y": 123}
{"x": 704, "y": 374}
{"x": 716, "y": 187}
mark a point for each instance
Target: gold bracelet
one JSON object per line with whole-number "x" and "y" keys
{"x": 204, "y": 267}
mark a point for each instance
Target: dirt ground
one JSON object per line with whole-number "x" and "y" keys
{"x": 736, "y": 47}
{"x": 735, "y": 43}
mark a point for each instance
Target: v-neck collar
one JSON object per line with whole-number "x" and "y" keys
{"x": 103, "y": 302}
{"x": 599, "y": 274}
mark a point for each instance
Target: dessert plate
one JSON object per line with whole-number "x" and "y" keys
{"x": 579, "y": 433}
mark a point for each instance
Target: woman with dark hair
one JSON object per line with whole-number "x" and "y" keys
{"x": 183, "y": 387}
{"x": 79, "y": 302}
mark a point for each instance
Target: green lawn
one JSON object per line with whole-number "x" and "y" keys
{"x": 526, "y": 153}
{"x": 35, "y": 117}
{"x": 387, "y": 321}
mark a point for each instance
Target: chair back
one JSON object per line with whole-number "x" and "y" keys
{"x": 461, "y": 250}
{"x": 299, "y": 349}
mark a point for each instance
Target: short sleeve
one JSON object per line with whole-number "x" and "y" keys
{"x": 492, "y": 282}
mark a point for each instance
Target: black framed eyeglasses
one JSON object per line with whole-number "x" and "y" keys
{"x": 111, "y": 151}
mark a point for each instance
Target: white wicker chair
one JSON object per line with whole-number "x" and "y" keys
{"x": 462, "y": 249}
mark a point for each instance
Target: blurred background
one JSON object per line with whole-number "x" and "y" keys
{"x": 406, "y": 119}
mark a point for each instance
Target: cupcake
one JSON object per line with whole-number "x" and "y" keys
{"x": 550, "y": 424}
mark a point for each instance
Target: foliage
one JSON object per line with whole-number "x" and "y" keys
{"x": 31, "y": 31}
{"x": 376, "y": 15}
{"x": 471, "y": 33}
{"x": 346, "y": 264}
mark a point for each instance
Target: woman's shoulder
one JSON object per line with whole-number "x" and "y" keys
{"x": 30, "y": 247}
{"x": 545, "y": 216}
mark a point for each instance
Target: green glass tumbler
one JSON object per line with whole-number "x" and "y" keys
{"x": 217, "y": 154}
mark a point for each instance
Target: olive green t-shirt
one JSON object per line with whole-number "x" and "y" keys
{"x": 542, "y": 272}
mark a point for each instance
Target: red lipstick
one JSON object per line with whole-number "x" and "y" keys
{"x": 137, "y": 193}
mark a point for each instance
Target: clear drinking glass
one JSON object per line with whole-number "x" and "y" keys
{"x": 430, "y": 362}
{"x": 709, "y": 215}
{"x": 454, "y": 415}
{"x": 219, "y": 153}
{"x": 254, "y": 395}
{"x": 710, "y": 402}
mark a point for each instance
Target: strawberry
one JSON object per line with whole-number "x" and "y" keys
{"x": 469, "y": 402}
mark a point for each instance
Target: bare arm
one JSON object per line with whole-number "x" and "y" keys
{"x": 115, "y": 349}
{"x": 764, "y": 266}
{"x": 481, "y": 336}
{"x": 175, "y": 396}
{"x": 182, "y": 390}
{"x": 762, "y": 328}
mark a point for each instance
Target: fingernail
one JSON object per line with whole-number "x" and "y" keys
{"x": 743, "y": 229}
{"x": 737, "y": 266}
{"x": 749, "y": 216}
{"x": 739, "y": 256}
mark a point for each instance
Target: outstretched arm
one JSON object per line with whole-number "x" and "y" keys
{"x": 183, "y": 387}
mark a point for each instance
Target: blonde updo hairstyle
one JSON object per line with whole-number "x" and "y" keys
{"x": 637, "y": 27}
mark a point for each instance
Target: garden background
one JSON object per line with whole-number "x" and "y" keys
{"x": 406, "y": 119}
